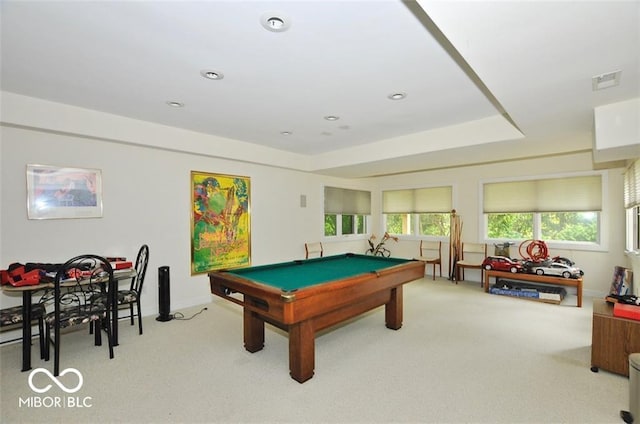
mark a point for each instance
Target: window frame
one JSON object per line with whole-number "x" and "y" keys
{"x": 414, "y": 233}
{"x": 343, "y": 201}
{"x": 414, "y": 227}
{"x": 364, "y": 235}
{"x": 631, "y": 178}
{"x": 632, "y": 230}
{"x": 602, "y": 243}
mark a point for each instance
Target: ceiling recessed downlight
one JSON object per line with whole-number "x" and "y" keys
{"x": 175, "y": 104}
{"x": 331, "y": 118}
{"x": 397, "y": 96}
{"x": 275, "y": 21}
{"x": 211, "y": 74}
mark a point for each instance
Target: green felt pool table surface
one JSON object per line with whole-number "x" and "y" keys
{"x": 295, "y": 275}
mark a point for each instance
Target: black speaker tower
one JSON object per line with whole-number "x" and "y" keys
{"x": 164, "y": 298}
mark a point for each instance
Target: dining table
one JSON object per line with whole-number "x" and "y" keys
{"x": 27, "y": 293}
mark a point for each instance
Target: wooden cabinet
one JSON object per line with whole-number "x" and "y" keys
{"x": 613, "y": 339}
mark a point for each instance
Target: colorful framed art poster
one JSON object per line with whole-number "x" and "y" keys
{"x": 54, "y": 192}
{"x": 220, "y": 222}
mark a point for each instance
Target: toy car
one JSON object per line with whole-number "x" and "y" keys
{"x": 557, "y": 269}
{"x": 501, "y": 263}
{"x": 563, "y": 260}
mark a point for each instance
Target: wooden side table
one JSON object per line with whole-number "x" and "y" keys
{"x": 534, "y": 278}
{"x": 613, "y": 339}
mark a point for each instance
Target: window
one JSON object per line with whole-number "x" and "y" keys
{"x": 632, "y": 206}
{"x": 420, "y": 211}
{"x": 346, "y": 211}
{"x": 633, "y": 229}
{"x": 553, "y": 209}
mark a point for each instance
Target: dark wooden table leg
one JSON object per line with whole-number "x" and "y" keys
{"x": 393, "y": 309}
{"x": 579, "y": 290}
{"x": 301, "y": 351}
{"x": 253, "y": 331}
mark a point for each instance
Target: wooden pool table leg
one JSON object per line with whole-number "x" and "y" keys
{"x": 393, "y": 309}
{"x": 301, "y": 351}
{"x": 253, "y": 331}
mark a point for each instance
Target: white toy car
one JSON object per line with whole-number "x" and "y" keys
{"x": 557, "y": 269}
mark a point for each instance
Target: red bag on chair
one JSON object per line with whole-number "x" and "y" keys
{"x": 30, "y": 278}
{"x": 17, "y": 276}
{"x": 4, "y": 277}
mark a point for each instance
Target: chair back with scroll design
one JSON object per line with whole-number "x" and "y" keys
{"x": 75, "y": 302}
{"x": 471, "y": 257}
{"x": 132, "y": 296}
{"x": 313, "y": 250}
{"x": 431, "y": 253}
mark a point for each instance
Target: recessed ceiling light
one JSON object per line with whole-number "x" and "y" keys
{"x": 175, "y": 104}
{"x": 610, "y": 79}
{"x": 331, "y": 118}
{"x": 275, "y": 21}
{"x": 286, "y": 132}
{"x": 212, "y": 75}
{"x": 397, "y": 96}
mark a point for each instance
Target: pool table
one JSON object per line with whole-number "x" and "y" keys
{"x": 303, "y": 297}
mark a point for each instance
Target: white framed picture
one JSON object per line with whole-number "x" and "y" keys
{"x": 55, "y": 192}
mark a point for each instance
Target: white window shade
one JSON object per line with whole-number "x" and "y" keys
{"x": 397, "y": 201}
{"x": 572, "y": 194}
{"x": 345, "y": 201}
{"x": 632, "y": 185}
{"x": 419, "y": 200}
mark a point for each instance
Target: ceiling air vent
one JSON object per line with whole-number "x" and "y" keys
{"x": 610, "y": 79}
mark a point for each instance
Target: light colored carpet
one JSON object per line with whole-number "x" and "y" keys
{"x": 462, "y": 356}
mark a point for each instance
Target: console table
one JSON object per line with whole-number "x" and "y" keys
{"x": 546, "y": 279}
{"x": 613, "y": 339}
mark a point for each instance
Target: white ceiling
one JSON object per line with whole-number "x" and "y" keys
{"x": 485, "y": 80}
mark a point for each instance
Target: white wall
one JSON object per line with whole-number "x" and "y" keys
{"x": 147, "y": 200}
{"x": 146, "y": 195}
{"x": 597, "y": 264}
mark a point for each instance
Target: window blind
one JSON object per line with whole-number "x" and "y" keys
{"x": 345, "y": 201}
{"x": 632, "y": 185}
{"x": 573, "y": 194}
{"x": 418, "y": 200}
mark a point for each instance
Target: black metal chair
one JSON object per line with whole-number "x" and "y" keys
{"x": 11, "y": 318}
{"x": 75, "y": 301}
{"x": 132, "y": 296}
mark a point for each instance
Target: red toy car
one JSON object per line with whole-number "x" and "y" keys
{"x": 501, "y": 263}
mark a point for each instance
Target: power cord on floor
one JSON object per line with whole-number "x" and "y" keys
{"x": 180, "y": 315}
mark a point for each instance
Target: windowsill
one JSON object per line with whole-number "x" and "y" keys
{"x": 560, "y": 245}
{"x": 345, "y": 237}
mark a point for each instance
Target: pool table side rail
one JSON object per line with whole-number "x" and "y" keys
{"x": 313, "y": 300}
{"x": 325, "y": 259}
{"x": 256, "y": 297}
